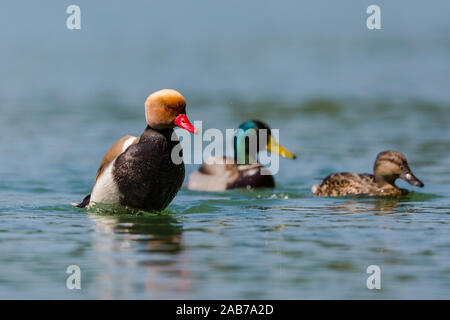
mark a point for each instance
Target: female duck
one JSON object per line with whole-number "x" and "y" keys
{"x": 389, "y": 166}
{"x": 139, "y": 172}
{"x": 242, "y": 171}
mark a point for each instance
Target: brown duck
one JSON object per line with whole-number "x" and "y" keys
{"x": 389, "y": 166}
{"x": 138, "y": 172}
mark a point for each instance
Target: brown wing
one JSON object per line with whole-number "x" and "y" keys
{"x": 116, "y": 149}
{"x": 345, "y": 183}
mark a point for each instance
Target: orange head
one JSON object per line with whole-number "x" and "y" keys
{"x": 166, "y": 109}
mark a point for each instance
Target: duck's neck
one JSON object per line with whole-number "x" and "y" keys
{"x": 149, "y": 132}
{"x": 385, "y": 182}
{"x": 242, "y": 155}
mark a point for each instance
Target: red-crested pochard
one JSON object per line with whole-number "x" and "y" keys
{"x": 138, "y": 172}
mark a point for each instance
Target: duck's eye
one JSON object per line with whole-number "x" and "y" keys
{"x": 168, "y": 108}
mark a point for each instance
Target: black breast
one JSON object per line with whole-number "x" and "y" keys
{"x": 145, "y": 173}
{"x": 253, "y": 178}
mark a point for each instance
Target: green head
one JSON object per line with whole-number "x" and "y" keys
{"x": 249, "y": 140}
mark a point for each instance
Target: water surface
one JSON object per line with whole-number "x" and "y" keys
{"x": 338, "y": 93}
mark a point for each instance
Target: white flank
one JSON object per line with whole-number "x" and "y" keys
{"x": 106, "y": 190}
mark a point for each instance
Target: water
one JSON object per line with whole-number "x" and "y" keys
{"x": 338, "y": 92}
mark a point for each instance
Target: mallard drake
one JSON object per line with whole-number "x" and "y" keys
{"x": 242, "y": 171}
{"x": 138, "y": 171}
{"x": 389, "y": 166}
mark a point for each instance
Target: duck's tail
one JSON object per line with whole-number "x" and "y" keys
{"x": 83, "y": 203}
{"x": 315, "y": 188}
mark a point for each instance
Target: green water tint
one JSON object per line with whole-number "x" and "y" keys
{"x": 117, "y": 210}
{"x": 343, "y": 108}
{"x": 214, "y": 201}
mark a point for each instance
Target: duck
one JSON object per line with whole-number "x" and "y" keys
{"x": 138, "y": 172}
{"x": 389, "y": 166}
{"x": 220, "y": 173}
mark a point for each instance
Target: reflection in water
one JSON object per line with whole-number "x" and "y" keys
{"x": 377, "y": 206}
{"x": 352, "y": 205}
{"x": 143, "y": 252}
{"x": 388, "y": 206}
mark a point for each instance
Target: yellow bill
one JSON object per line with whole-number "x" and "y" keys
{"x": 274, "y": 146}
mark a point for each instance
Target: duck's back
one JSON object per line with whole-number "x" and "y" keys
{"x": 216, "y": 174}
{"x": 221, "y": 173}
{"x": 253, "y": 176}
{"x": 346, "y": 183}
